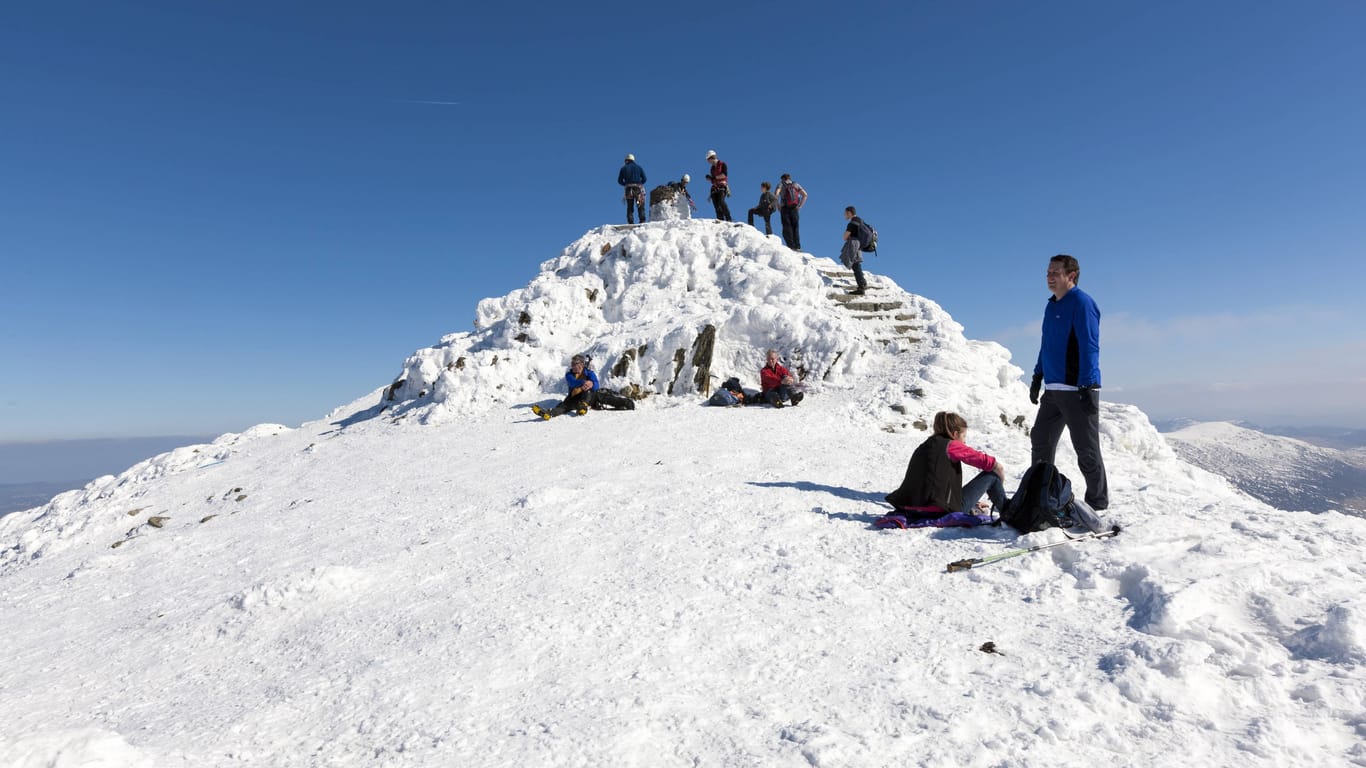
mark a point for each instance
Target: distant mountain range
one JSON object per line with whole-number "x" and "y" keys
{"x": 1315, "y": 470}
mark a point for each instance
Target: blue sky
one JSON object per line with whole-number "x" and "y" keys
{"x": 216, "y": 215}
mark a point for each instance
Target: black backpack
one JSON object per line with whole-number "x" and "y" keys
{"x": 867, "y": 236}
{"x": 1043, "y": 500}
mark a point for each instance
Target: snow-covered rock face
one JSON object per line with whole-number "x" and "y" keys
{"x": 666, "y": 308}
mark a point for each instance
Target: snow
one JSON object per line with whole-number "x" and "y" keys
{"x": 446, "y": 580}
{"x": 1282, "y": 471}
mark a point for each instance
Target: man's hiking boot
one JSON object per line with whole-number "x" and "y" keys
{"x": 855, "y": 292}
{"x": 582, "y": 411}
{"x": 797, "y": 397}
{"x": 539, "y": 411}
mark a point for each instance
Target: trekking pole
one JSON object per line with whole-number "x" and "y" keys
{"x": 963, "y": 565}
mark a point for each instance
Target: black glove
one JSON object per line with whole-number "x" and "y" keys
{"x": 1034, "y": 387}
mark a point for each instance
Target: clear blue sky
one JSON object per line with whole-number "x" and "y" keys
{"x": 219, "y": 214}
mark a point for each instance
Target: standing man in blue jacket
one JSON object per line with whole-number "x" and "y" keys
{"x": 632, "y": 178}
{"x": 1068, "y": 371}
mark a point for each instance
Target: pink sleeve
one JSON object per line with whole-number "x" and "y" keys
{"x": 960, "y": 452}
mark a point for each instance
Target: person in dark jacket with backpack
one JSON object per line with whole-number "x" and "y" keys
{"x": 791, "y": 198}
{"x": 768, "y": 203}
{"x": 851, "y": 255}
{"x": 1068, "y": 373}
{"x": 632, "y": 178}
{"x": 933, "y": 485}
{"x": 720, "y": 185}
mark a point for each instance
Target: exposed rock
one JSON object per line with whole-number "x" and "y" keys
{"x": 701, "y": 358}
{"x": 157, "y": 521}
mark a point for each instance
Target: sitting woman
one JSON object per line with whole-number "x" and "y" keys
{"x": 934, "y": 479}
{"x": 582, "y": 383}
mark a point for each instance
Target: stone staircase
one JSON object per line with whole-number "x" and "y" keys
{"x": 890, "y": 322}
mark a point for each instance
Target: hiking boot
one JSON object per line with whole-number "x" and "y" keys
{"x": 855, "y": 292}
{"x": 797, "y": 397}
{"x": 777, "y": 403}
{"x": 539, "y": 411}
{"x": 582, "y": 411}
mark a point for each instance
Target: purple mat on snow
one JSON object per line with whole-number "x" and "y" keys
{"x": 951, "y": 520}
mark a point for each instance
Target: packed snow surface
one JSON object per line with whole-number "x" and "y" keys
{"x": 433, "y": 577}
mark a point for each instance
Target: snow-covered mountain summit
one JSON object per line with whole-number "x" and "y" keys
{"x": 669, "y": 308}
{"x": 431, "y": 577}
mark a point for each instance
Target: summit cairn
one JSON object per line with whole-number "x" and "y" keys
{"x": 669, "y": 202}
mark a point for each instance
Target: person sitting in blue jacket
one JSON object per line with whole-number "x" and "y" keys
{"x": 584, "y": 392}
{"x": 582, "y": 383}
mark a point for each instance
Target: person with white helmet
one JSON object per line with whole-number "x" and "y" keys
{"x": 720, "y": 185}
{"x": 632, "y": 179}
{"x": 682, "y": 186}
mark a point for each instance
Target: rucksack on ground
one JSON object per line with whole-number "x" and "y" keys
{"x": 867, "y": 237}
{"x": 1043, "y": 500}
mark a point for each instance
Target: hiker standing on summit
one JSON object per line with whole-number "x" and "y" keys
{"x": 720, "y": 186}
{"x": 851, "y": 255}
{"x": 791, "y": 198}
{"x": 1068, "y": 372}
{"x": 632, "y": 178}
{"x": 768, "y": 202}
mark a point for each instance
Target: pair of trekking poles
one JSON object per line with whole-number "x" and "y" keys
{"x": 974, "y": 562}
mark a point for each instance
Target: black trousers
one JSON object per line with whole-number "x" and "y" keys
{"x": 789, "y": 218}
{"x": 718, "y": 201}
{"x": 638, "y": 200}
{"x": 1079, "y": 412}
{"x": 765, "y": 213}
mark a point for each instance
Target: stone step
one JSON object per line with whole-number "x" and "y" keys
{"x": 869, "y": 295}
{"x": 863, "y": 305}
{"x": 891, "y": 318}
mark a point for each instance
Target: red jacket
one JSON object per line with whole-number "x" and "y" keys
{"x": 718, "y": 175}
{"x": 772, "y": 378}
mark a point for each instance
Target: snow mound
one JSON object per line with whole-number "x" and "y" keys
{"x": 666, "y": 308}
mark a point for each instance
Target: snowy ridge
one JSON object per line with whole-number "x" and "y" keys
{"x": 47, "y": 529}
{"x": 675, "y": 586}
{"x": 1284, "y": 472}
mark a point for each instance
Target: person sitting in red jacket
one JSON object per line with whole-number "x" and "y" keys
{"x": 777, "y": 384}
{"x": 933, "y": 485}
